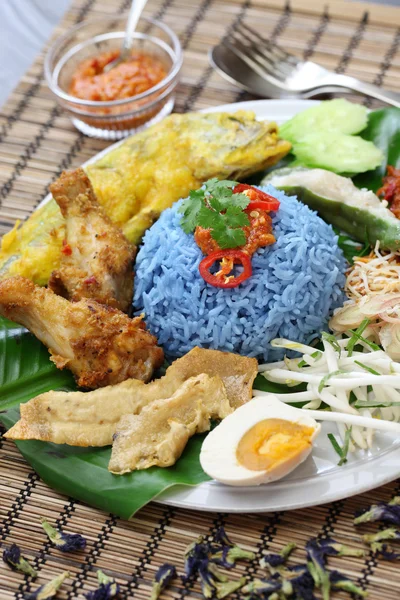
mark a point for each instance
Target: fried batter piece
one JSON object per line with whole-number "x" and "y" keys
{"x": 99, "y": 344}
{"x": 237, "y": 372}
{"x": 159, "y": 433}
{"x": 97, "y": 259}
{"x": 80, "y": 418}
{"x": 91, "y": 418}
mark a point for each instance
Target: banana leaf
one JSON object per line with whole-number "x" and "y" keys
{"x": 25, "y": 372}
{"x": 383, "y": 130}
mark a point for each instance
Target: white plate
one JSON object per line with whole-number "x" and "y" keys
{"x": 319, "y": 479}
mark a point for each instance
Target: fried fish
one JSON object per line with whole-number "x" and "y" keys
{"x": 147, "y": 173}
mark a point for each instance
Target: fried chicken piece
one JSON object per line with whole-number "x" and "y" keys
{"x": 99, "y": 344}
{"x": 97, "y": 259}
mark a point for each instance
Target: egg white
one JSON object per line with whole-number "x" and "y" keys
{"x": 218, "y": 452}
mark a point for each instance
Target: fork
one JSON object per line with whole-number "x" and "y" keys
{"x": 278, "y": 74}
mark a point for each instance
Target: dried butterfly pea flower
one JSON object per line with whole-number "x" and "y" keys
{"x": 66, "y": 542}
{"x": 317, "y": 551}
{"x": 107, "y": 589}
{"x": 276, "y": 560}
{"x": 13, "y": 558}
{"x": 341, "y": 582}
{"x": 163, "y": 577}
{"x": 48, "y": 590}
{"x": 376, "y": 541}
{"x": 385, "y": 512}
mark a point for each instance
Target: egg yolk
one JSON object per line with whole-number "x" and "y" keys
{"x": 272, "y": 442}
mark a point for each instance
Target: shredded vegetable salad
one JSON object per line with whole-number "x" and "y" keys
{"x": 377, "y": 273}
{"x": 350, "y": 381}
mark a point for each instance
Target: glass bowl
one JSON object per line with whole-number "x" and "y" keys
{"x": 113, "y": 120}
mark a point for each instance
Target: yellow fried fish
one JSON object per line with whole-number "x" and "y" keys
{"x": 144, "y": 175}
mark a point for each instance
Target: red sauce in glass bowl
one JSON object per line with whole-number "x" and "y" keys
{"x": 130, "y": 78}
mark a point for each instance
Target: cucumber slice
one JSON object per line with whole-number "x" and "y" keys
{"x": 337, "y": 152}
{"x": 333, "y": 115}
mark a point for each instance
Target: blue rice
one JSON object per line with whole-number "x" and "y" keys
{"x": 296, "y": 284}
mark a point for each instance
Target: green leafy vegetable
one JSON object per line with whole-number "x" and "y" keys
{"x": 316, "y": 355}
{"x": 383, "y": 130}
{"x": 374, "y": 404}
{"x": 328, "y": 337}
{"x": 342, "y": 451}
{"x": 366, "y": 367}
{"x": 327, "y": 377}
{"x": 217, "y": 208}
{"x": 357, "y": 336}
{"x": 190, "y": 209}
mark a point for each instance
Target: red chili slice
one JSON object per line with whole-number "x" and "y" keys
{"x": 258, "y": 198}
{"x": 225, "y": 282}
{"x": 66, "y": 249}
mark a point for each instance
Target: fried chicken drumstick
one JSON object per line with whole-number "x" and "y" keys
{"x": 99, "y": 344}
{"x": 97, "y": 259}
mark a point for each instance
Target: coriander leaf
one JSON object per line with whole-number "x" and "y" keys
{"x": 240, "y": 200}
{"x": 215, "y": 185}
{"x": 227, "y": 237}
{"x": 190, "y": 208}
{"x": 235, "y": 217}
{"x": 215, "y": 203}
{"x": 209, "y": 219}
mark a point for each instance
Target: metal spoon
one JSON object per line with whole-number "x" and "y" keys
{"x": 133, "y": 18}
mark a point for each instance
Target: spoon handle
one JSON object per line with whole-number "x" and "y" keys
{"x": 133, "y": 18}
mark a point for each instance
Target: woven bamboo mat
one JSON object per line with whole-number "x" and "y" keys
{"x": 38, "y": 142}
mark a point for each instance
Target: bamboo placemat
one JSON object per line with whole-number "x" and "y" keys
{"x": 38, "y": 142}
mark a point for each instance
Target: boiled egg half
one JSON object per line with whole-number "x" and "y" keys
{"x": 260, "y": 442}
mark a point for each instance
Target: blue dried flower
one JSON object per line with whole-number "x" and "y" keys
{"x": 387, "y": 513}
{"x": 195, "y": 554}
{"x": 163, "y": 577}
{"x": 66, "y": 542}
{"x": 12, "y": 557}
{"x": 377, "y": 544}
{"x": 103, "y": 592}
{"x": 221, "y": 537}
{"x": 317, "y": 551}
{"x": 276, "y": 560}
{"x": 262, "y": 587}
{"x": 107, "y": 589}
{"x": 341, "y": 582}
{"x": 225, "y": 552}
{"x": 49, "y": 590}
{"x": 302, "y": 583}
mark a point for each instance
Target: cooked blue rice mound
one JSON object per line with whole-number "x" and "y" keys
{"x": 295, "y": 286}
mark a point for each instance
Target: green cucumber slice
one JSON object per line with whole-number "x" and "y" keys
{"x": 337, "y": 152}
{"x": 333, "y": 115}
